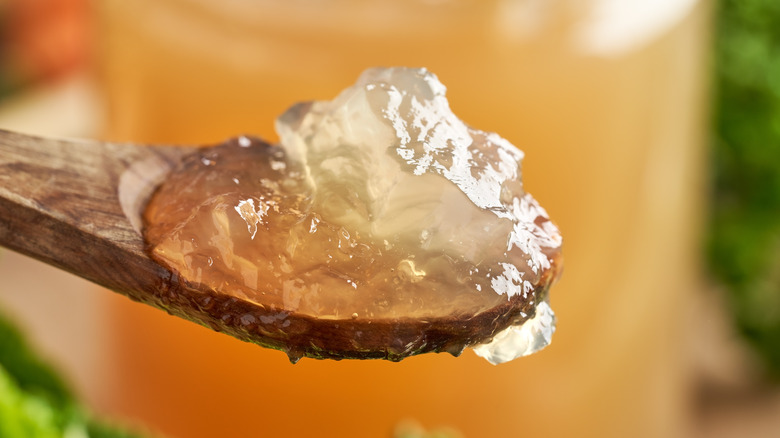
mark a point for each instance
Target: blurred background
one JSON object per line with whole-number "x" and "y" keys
{"x": 652, "y": 137}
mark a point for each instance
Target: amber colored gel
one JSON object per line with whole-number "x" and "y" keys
{"x": 334, "y": 229}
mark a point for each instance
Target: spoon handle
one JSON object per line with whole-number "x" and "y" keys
{"x": 76, "y": 205}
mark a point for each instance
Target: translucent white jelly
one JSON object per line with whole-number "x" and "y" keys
{"x": 521, "y": 339}
{"x": 388, "y": 157}
{"x": 380, "y": 205}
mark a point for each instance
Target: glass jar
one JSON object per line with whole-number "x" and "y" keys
{"x": 606, "y": 97}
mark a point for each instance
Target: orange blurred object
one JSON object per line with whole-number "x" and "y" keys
{"x": 606, "y": 97}
{"x": 46, "y": 38}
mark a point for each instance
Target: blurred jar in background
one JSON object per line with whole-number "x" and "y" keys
{"x": 606, "y": 97}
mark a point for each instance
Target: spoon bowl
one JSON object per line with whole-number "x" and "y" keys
{"x": 78, "y": 205}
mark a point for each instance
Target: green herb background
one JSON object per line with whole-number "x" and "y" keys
{"x": 36, "y": 402}
{"x": 744, "y": 239}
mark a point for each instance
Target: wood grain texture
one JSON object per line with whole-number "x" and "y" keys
{"x": 60, "y": 203}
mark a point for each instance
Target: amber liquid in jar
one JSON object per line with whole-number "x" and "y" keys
{"x": 612, "y": 135}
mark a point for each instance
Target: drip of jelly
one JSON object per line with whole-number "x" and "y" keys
{"x": 522, "y": 339}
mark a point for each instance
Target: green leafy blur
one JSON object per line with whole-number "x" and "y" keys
{"x": 35, "y": 402}
{"x": 5, "y": 80}
{"x": 744, "y": 239}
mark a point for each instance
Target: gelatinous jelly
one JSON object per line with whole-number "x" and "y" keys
{"x": 381, "y": 227}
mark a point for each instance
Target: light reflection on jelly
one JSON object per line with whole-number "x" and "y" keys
{"x": 521, "y": 339}
{"x": 380, "y": 203}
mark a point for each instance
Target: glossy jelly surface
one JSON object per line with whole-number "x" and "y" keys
{"x": 380, "y": 205}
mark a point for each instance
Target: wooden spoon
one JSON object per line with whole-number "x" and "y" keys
{"x": 77, "y": 205}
